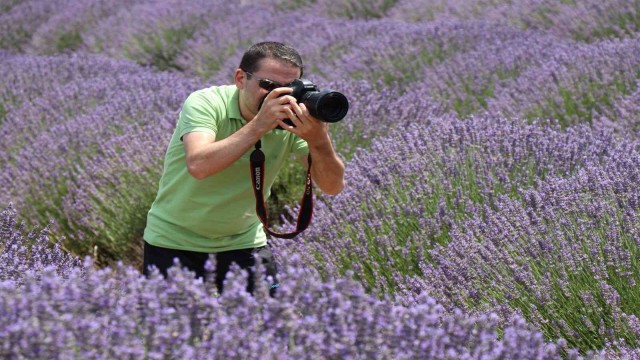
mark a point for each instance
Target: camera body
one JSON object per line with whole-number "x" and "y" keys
{"x": 325, "y": 105}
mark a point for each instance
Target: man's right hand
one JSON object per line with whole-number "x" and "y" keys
{"x": 274, "y": 107}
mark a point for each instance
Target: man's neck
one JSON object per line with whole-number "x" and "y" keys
{"x": 246, "y": 114}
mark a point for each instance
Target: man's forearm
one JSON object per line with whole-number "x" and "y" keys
{"x": 327, "y": 170}
{"x": 211, "y": 158}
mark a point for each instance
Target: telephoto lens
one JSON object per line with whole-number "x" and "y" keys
{"x": 326, "y": 105}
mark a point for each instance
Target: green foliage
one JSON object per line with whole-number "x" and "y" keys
{"x": 452, "y": 195}
{"x": 289, "y": 5}
{"x": 160, "y": 49}
{"x": 403, "y": 68}
{"x": 107, "y": 219}
{"x": 123, "y": 219}
{"x": 211, "y": 63}
{"x": 578, "y": 105}
{"x": 68, "y": 41}
{"x": 286, "y": 191}
{"x": 7, "y": 5}
{"x": 15, "y": 40}
{"x": 619, "y": 25}
{"x": 468, "y": 96}
{"x": 288, "y": 188}
{"x": 113, "y": 231}
{"x": 3, "y": 112}
{"x": 578, "y": 304}
{"x": 366, "y": 9}
{"x": 474, "y": 101}
{"x": 350, "y": 9}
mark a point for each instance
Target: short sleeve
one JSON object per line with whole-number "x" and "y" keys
{"x": 199, "y": 113}
{"x": 299, "y": 148}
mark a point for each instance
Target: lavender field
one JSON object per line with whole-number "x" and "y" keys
{"x": 491, "y": 211}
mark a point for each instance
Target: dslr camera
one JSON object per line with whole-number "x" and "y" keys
{"x": 325, "y": 105}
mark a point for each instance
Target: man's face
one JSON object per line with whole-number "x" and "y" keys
{"x": 252, "y": 94}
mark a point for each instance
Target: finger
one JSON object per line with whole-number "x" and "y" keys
{"x": 275, "y": 111}
{"x": 285, "y": 125}
{"x": 282, "y": 101}
{"x": 297, "y": 109}
{"x": 305, "y": 111}
{"x": 293, "y": 117}
{"x": 307, "y": 115}
{"x": 277, "y": 92}
{"x": 278, "y": 105}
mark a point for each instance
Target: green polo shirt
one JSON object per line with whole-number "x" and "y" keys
{"x": 216, "y": 213}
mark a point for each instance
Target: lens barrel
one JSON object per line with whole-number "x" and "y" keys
{"x": 327, "y": 105}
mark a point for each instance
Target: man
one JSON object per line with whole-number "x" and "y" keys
{"x": 205, "y": 202}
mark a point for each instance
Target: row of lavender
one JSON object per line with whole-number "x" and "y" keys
{"x": 52, "y": 26}
{"x": 474, "y": 57}
{"x": 571, "y": 244}
{"x": 77, "y": 132}
{"x": 410, "y": 191}
{"x": 56, "y": 307}
{"x": 490, "y": 214}
{"x": 485, "y": 69}
{"x": 49, "y": 101}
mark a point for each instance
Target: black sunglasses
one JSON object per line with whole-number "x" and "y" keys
{"x": 267, "y": 84}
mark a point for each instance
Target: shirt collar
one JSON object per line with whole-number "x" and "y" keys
{"x": 234, "y": 106}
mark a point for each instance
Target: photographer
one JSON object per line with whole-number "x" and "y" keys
{"x": 205, "y": 202}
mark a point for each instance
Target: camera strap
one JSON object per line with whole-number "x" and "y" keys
{"x": 257, "y": 177}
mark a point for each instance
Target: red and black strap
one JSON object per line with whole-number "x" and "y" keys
{"x": 257, "y": 176}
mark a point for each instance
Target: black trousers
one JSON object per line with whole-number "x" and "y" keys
{"x": 162, "y": 258}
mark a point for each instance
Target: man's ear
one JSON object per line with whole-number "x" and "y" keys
{"x": 240, "y": 78}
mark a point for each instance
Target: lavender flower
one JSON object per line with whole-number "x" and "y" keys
{"x": 33, "y": 252}
{"x": 562, "y": 257}
{"x": 153, "y": 33}
{"x": 407, "y": 190}
{"x": 179, "y": 317}
{"x": 585, "y": 20}
{"x": 568, "y": 90}
{"x": 20, "y": 20}
{"x": 64, "y": 31}
{"x": 96, "y": 136}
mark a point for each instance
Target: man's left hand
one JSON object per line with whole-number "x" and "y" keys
{"x": 305, "y": 126}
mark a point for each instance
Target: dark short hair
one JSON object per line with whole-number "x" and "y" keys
{"x": 270, "y": 49}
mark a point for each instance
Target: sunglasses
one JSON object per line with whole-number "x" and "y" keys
{"x": 267, "y": 84}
